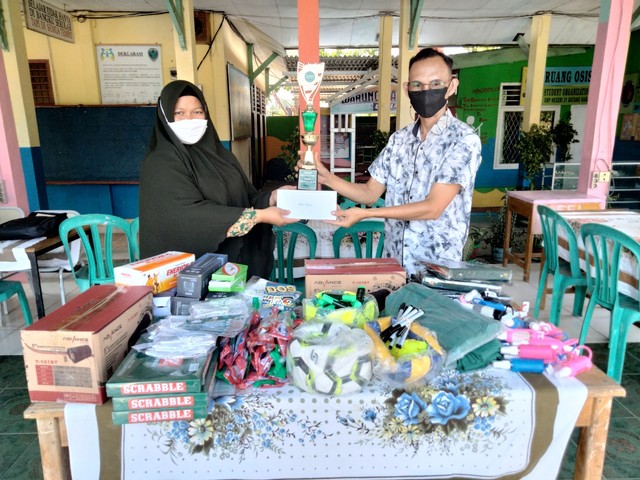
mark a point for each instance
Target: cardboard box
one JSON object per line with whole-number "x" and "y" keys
{"x": 193, "y": 280}
{"x": 231, "y": 277}
{"x": 70, "y": 354}
{"x": 159, "y": 272}
{"x": 351, "y": 273}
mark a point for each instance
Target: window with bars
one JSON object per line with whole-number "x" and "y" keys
{"x": 41, "y": 82}
{"x": 510, "y": 113}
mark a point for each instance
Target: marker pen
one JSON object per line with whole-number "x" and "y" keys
{"x": 547, "y": 353}
{"x": 521, "y": 365}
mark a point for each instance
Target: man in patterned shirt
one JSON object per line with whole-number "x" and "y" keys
{"x": 428, "y": 170}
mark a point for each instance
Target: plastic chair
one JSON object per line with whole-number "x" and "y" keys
{"x": 565, "y": 274}
{"x": 603, "y": 247}
{"x": 97, "y": 246}
{"x": 135, "y": 231}
{"x": 10, "y": 288}
{"x": 369, "y": 228}
{"x": 295, "y": 230}
{"x": 346, "y": 203}
{"x": 61, "y": 265}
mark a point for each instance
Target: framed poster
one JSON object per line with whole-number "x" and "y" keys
{"x": 239, "y": 103}
{"x": 129, "y": 74}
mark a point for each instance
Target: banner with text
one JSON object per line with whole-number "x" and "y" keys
{"x": 562, "y": 85}
{"x": 48, "y": 20}
{"x": 129, "y": 74}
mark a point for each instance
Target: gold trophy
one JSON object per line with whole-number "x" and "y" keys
{"x": 309, "y": 77}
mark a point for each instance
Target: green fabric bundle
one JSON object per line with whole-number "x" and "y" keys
{"x": 458, "y": 329}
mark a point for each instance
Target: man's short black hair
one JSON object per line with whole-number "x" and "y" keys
{"x": 430, "y": 52}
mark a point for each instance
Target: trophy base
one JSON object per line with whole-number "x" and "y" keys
{"x": 307, "y": 179}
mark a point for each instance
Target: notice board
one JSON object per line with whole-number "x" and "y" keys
{"x": 94, "y": 144}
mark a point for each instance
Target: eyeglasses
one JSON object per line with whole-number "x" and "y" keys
{"x": 416, "y": 86}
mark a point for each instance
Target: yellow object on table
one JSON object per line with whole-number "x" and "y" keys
{"x": 353, "y": 316}
{"x": 416, "y": 364}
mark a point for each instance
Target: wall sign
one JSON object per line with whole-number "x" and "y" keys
{"x": 44, "y": 18}
{"x": 129, "y": 74}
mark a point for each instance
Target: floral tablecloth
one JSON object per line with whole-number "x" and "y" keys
{"x": 485, "y": 424}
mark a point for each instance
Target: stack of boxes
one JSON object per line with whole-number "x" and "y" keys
{"x": 151, "y": 389}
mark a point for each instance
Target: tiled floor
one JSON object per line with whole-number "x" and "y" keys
{"x": 20, "y": 459}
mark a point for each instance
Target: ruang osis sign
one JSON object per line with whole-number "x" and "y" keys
{"x": 363, "y": 102}
{"x": 562, "y": 85}
{"x": 48, "y": 20}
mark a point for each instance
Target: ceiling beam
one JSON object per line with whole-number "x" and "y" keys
{"x": 175, "y": 10}
{"x": 416, "y": 10}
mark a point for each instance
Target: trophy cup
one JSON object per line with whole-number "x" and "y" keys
{"x": 309, "y": 77}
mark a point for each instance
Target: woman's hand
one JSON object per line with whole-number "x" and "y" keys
{"x": 273, "y": 199}
{"x": 346, "y": 218}
{"x": 275, "y": 216}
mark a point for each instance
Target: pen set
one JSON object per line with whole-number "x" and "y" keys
{"x": 396, "y": 334}
{"x": 540, "y": 346}
{"x": 330, "y": 301}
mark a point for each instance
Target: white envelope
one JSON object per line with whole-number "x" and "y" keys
{"x": 309, "y": 204}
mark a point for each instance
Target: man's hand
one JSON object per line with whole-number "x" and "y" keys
{"x": 324, "y": 174}
{"x": 346, "y": 218}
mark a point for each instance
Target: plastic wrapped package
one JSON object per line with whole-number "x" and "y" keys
{"x": 419, "y": 360}
{"x": 329, "y": 358}
{"x": 330, "y": 310}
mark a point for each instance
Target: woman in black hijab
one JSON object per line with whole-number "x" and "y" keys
{"x": 194, "y": 196}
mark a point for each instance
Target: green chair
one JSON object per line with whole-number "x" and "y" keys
{"x": 603, "y": 248}
{"x": 346, "y": 203}
{"x": 10, "y": 288}
{"x": 367, "y": 227}
{"x": 96, "y": 231}
{"x": 566, "y": 274}
{"x": 135, "y": 231}
{"x": 295, "y": 231}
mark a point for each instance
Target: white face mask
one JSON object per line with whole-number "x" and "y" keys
{"x": 189, "y": 131}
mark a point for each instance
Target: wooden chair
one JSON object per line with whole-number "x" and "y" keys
{"x": 604, "y": 246}
{"x": 367, "y": 227}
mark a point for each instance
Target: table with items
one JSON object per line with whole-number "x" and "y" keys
{"x": 332, "y": 389}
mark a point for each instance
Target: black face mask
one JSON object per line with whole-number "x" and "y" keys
{"x": 427, "y": 103}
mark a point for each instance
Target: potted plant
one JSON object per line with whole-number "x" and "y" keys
{"x": 379, "y": 140}
{"x": 563, "y": 135}
{"x": 497, "y": 232}
{"x": 534, "y": 150}
{"x": 289, "y": 152}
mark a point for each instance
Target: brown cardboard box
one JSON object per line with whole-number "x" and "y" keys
{"x": 351, "y": 273}
{"x": 70, "y": 354}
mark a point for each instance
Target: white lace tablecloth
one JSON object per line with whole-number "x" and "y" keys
{"x": 485, "y": 424}
{"x": 626, "y": 221}
{"x": 13, "y": 256}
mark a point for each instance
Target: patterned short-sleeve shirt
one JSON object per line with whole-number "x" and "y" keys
{"x": 408, "y": 167}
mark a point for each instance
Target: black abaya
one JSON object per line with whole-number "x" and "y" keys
{"x": 191, "y": 194}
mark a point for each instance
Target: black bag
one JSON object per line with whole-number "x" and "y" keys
{"x": 36, "y": 224}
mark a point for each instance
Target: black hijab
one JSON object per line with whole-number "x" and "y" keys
{"x": 191, "y": 194}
